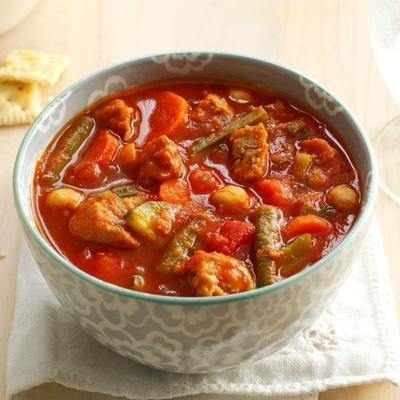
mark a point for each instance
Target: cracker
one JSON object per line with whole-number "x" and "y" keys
{"x": 30, "y": 66}
{"x": 19, "y": 103}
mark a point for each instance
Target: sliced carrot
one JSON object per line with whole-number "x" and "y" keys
{"x": 319, "y": 148}
{"x": 306, "y": 224}
{"x": 170, "y": 112}
{"x": 100, "y": 153}
{"x": 275, "y": 192}
{"x": 204, "y": 181}
{"x": 174, "y": 191}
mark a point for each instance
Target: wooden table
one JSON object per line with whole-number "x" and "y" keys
{"x": 327, "y": 40}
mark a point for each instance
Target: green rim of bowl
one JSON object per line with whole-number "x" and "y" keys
{"x": 45, "y": 246}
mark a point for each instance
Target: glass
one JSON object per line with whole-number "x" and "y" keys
{"x": 385, "y": 36}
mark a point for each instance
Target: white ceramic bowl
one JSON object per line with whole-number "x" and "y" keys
{"x": 195, "y": 335}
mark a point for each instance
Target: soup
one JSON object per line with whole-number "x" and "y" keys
{"x": 191, "y": 188}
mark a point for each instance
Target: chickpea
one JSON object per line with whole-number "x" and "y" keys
{"x": 342, "y": 197}
{"x": 240, "y": 95}
{"x": 64, "y": 198}
{"x": 231, "y": 198}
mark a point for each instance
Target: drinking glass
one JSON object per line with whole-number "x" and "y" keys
{"x": 385, "y": 36}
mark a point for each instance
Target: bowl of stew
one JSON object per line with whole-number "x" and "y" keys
{"x": 194, "y": 211}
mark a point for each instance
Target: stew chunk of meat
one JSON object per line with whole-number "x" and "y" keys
{"x": 100, "y": 219}
{"x": 116, "y": 116}
{"x": 160, "y": 161}
{"x": 213, "y": 112}
{"x": 216, "y": 274}
{"x": 249, "y": 151}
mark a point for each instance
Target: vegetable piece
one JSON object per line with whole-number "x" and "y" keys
{"x": 267, "y": 221}
{"x": 178, "y": 248}
{"x": 276, "y": 192}
{"x": 170, "y": 112}
{"x": 125, "y": 191}
{"x": 136, "y": 200}
{"x": 66, "y": 147}
{"x": 231, "y": 198}
{"x": 253, "y": 117}
{"x": 174, "y": 191}
{"x": 306, "y": 224}
{"x": 64, "y": 198}
{"x": 302, "y": 164}
{"x": 137, "y": 282}
{"x": 215, "y": 274}
{"x": 240, "y": 95}
{"x": 319, "y": 148}
{"x": 130, "y": 195}
{"x": 128, "y": 157}
{"x": 100, "y": 153}
{"x": 230, "y": 237}
{"x": 219, "y": 103}
{"x": 342, "y": 197}
{"x": 152, "y": 220}
{"x": 108, "y": 266}
{"x": 317, "y": 179}
{"x": 293, "y": 127}
{"x": 296, "y": 255}
{"x": 204, "y": 181}
{"x": 327, "y": 211}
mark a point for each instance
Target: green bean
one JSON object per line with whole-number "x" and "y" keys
{"x": 268, "y": 236}
{"x": 296, "y": 254}
{"x": 254, "y": 116}
{"x": 293, "y": 127}
{"x": 302, "y": 163}
{"x": 66, "y": 147}
{"x": 178, "y": 248}
{"x": 125, "y": 191}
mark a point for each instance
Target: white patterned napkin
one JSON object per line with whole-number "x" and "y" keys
{"x": 355, "y": 341}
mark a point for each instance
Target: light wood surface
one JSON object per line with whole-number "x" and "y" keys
{"x": 327, "y": 40}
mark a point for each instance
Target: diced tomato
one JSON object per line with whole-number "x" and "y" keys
{"x": 100, "y": 153}
{"x": 108, "y": 266}
{"x": 306, "y": 224}
{"x": 170, "y": 112}
{"x": 204, "y": 181}
{"x": 319, "y": 148}
{"x": 230, "y": 237}
{"x": 174, "y": 191}
{"x": 276, "y": 192}
{"x": 128, "y": 157}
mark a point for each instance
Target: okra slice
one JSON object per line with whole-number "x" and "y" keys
{"x": 179, "y": 247}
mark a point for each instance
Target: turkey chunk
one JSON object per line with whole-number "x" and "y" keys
{"x": 215, "y": 274}
{"x": 116, "y": 116}
{"x": 100, "y": 219}
{"x": 160, "y": 161}
{"x": 249, "y": 149}
{"x": 212, "y": 112}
